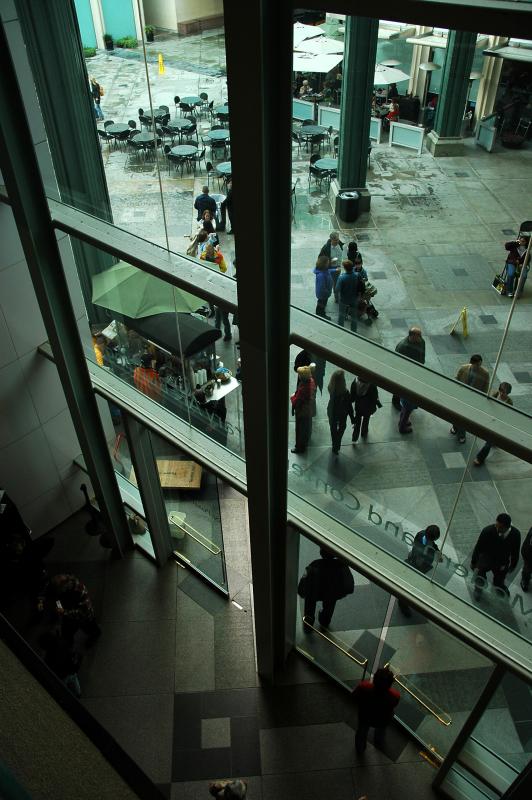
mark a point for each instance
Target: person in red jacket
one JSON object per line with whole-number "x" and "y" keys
{"x": 376, "y": 705}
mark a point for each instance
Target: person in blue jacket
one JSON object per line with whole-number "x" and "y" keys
{"x": 324, "y": 283}
{"x": 348, "y": 287}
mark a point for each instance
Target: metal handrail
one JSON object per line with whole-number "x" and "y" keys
{"x": 197, "y": 536}
{"x": 363, "y": 663}
{"x": 444, "y": 720}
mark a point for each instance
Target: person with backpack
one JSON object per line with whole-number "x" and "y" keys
{"x": 365, "y": 398}
{"x": 328, "y": 579}
{"x": 348, "y": 288}
{"x": 421, "y": 556}
{"x": 376, "y": 702}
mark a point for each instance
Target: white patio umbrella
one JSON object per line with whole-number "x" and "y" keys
{"x": 386, "y": 75}
{"x": 302, "y": 32}
{"x": 320, "y": 45}
{"x": 313, "y": 62}
{"x": 134, "y": 293}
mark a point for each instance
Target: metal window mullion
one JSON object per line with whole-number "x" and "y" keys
{"x": 145, "y": 466}
{"x": 24, "y": 184}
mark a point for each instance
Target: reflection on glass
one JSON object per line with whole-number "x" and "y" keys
{"x": 439, "y": 677}
{"x": 165, "y": 342}
{"x": 393, "y": 482}
{"x": 191, "y": 496}
{"x": 433, "y": 238}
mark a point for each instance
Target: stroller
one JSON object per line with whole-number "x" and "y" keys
{"x": 365, "y": 304}
{"x": 499, "y": 281}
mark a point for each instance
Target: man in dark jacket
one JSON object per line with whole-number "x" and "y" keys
{"x": 497, "y": 551}
{"x": 327, "y": 579}
{"x": 348, "y": 288}
{"x": 204, "y": 202}
{"x": 526, "y": 553}
{"x": 412, "y": 346}
{"x": 226, "y": 208}
{"x": 333, "y": 249}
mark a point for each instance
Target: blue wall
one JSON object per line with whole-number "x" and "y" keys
{"x": 118, "y": 18}
{"x": 86, "y": 27}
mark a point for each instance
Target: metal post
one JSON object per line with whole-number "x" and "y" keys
{"x": 357, "y": 87}
{"x": 261, "y": 168}
{"x": 145, "y": 465}
{"x": 470, "y": 724}
{"x": 23, "y": 181}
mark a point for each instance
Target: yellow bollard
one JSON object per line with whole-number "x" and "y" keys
{"x": 161, "y": 64}
{"x": 462, "y": 317}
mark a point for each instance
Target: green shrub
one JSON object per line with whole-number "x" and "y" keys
{"x": 89, "y": 52}
{"x": 127, "y": 41}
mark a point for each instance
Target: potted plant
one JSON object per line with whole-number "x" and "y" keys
{"x": 150, "y": 32}
{"x": 108, "y": 41}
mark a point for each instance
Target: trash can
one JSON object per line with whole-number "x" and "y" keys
{"x": 347, "y": 205}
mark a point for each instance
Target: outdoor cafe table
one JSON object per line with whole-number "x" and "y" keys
{"x": 145, "y": 136}
{"x": 117, "y": 127}
{"x": 192, "y": 100}
{"x": 311, "y": 130}
{"x": 184, "y": 150}
{"x": 326, "y": 163}
{"x": 224, "y": 168}
{"x": 224, "y": 109}
{"x": 219, "y": 135}
{"x": 181, "y": 123}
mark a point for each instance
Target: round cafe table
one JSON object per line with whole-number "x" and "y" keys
{"x": 311, "y": 130}
{"x": 117, "y": 127}
{"x": 326, "y": 163}
{"x": 220, "y": 135}
{"x": 145, "y": 136}
{"x": 180, "y": 123}
{"x": 224, "y": 109}
{"x": 184, "y": 150}
{"x": 192, "y": 100}
{"x": 224, "y": 168}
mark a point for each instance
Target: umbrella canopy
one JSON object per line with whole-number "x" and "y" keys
{"x": 312, "y": 62}
{"x": 302, "y": 32}
{"x": 320, "y": 45}
{"x": 194, "y": 334}
{"x": 130, "y": 291}
{"x": 385, "y": 75}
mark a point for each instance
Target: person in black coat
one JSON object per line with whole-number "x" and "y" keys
{"x": 526, "y": 553}
{"x": 365, "y": 397}
{"x": 496, "y": 551}
{"x": 338, "y": 408}
{"x": 227, "y": 208}
{"x": 327, "y": 579}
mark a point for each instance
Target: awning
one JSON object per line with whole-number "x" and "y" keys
{"x": 439, "y": 40}
{"x": 313, "y": 62}
{"x": 161, "y": 329}
{"x": 515, "y": 53}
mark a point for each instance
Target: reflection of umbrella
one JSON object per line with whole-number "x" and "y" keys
{"x": 134, "y": 293}
{"x": 322, "y": 44}
{"x": 161, "y": 329}
{"x": 302, "y": 32}
{"x": 312, "y": 62}
{"x": 386, "y": 75}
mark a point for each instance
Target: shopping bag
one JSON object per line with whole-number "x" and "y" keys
{"x": 498, "y": 284}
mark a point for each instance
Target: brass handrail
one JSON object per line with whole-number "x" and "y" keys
{"x": 419, "y": 700}
{"x": 198, "y": 537}
{"x": 363, "y": 663}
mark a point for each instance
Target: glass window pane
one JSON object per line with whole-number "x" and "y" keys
{"x": 192, "y": 499}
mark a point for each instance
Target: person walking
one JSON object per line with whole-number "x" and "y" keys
{"x": 348, "y": 289}
{"x": 328, "y": 579}
{"x": 338, "y": 408}
{"x": 496, "y": 551}
{"x": 421, "y": 556}
{"x": 475, "y": 375}
{"x": 325, "y": 275}
{"x": 334, "y": 250}
{"x": 365, "y": 398}
{"x": 412, "y": 346}
{"x": 96, "y": 92}
{"x": 304, "y": 408}
{"x": 501, "y": 394}
{"x": 376, "y": 707}
{"x": 226, "y": 208}
{"x": 526, "y": 554}
{"x": 74, "y": 606}
{"x": 514, "y": 264}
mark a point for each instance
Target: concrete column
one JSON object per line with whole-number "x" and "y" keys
{"x": 97, "y": 21}
{"x": 360, "y": 50}
{"x": 491, "y": 73}
{"x": 445, "y": 138}
{"x": 416, "y": 85}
